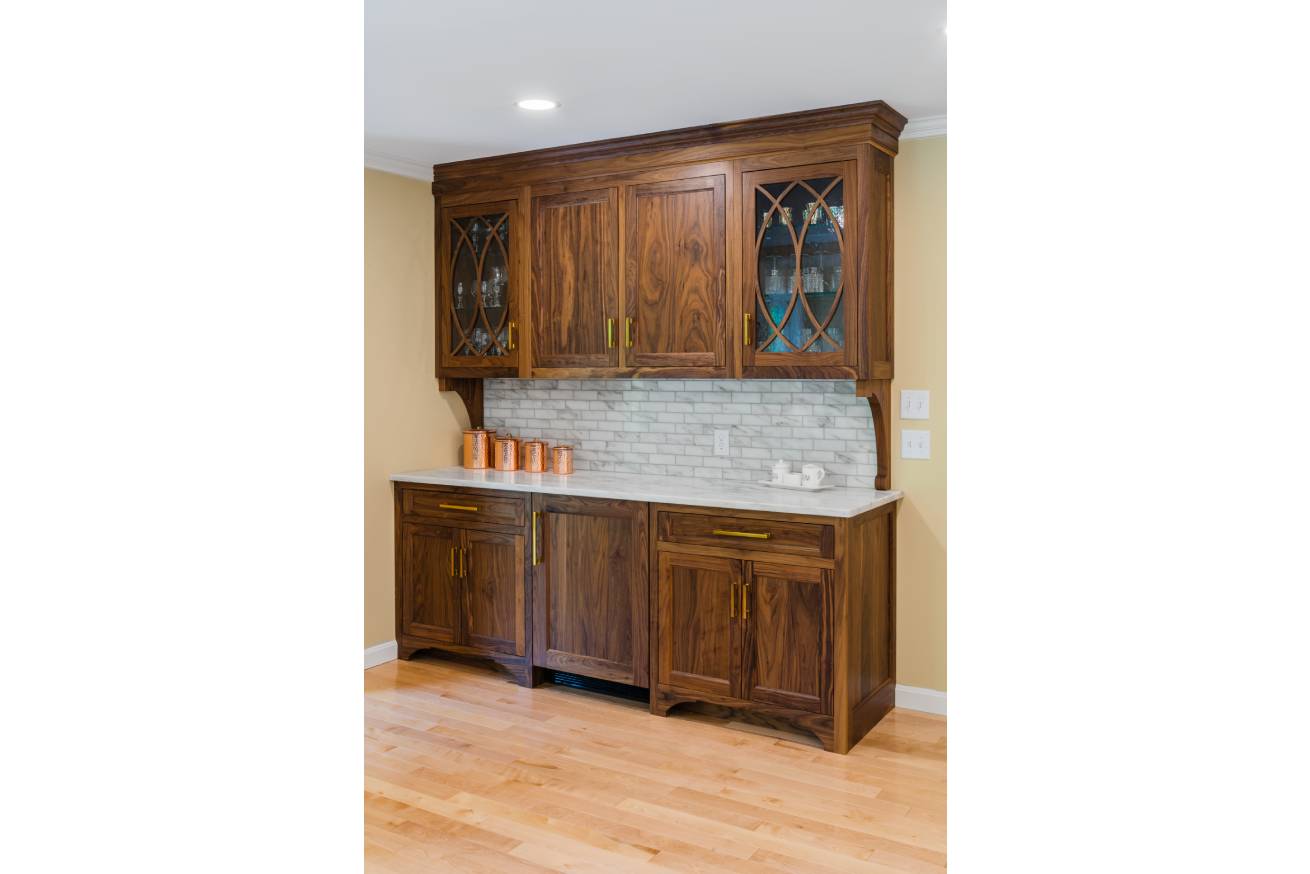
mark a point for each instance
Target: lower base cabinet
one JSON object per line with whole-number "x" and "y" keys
{"x": 786, "y": 619}
{"x": 778, "y": 617}
{"x": 461, "y": 586}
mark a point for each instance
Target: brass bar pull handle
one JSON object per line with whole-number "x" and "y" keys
{"x": 732, "y": 601}
{"x": 468, "y": 507}
{"x": 452, "y": 562}
{"x": 745, "y": 601}
{"x": 609, "y": 333}
{"x": 536, "y": 559}
{"x": 628, "y": 332}
{"x": 751, "y": 534}
{"x": 745, "y": 329}
{"x": 512, "y": 326}
{"x": 463, "y": 572}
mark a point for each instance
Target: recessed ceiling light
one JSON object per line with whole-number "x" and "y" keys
{"x": 537, "y": 104}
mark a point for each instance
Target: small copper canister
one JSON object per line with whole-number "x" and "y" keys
{"x": 495, "y": 449}
{"x": 507, "y": 453}
{"x": 477, "y": 449}
{"x": 534, "y": 456}
{"x": 563, "y": 456}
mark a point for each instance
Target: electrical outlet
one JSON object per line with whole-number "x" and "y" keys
{"x": 721, "y": 442}
{"x": 916, "y": 444}
{"x": 914, "y": 404}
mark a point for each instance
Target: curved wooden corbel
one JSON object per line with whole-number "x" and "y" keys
{"x": 470, "y": 390}
{"x": 879, "y": 393}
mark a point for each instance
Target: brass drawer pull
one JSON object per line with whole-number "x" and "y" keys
{"x": 745, "y": 601}
{"x": 609, "y": 333}
{"x": 462, "y": 572}
{"x": 512, "y": 326}
{"x": 745, "y": 329}
{"x": 628, "y": 332}
{"x": 732, "y": 601}
{"x": 751, "y": 534}
{"x": 471, "y": 509}
{"x": 452, "y": 562}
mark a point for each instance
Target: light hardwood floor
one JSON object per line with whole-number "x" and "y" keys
{"x": 465, "y": 771}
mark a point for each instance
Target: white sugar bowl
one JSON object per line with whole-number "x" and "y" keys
{"x": 780, "y": 471}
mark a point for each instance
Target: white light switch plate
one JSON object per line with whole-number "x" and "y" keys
{"x": 916, "y": 444}
{"x": 721, "y": 442}
{"x": 914, "y": 403}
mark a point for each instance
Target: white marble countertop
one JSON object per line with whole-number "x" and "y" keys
{"x": 731, "y": 495}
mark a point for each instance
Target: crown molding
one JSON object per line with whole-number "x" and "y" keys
{"x": 399, "y": 166}
{"x": 928, "y": 126}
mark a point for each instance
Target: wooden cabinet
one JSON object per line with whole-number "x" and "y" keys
{"x": 590, "y": 592}
{"x": 740, "y": 629}
{"x": 800, "y": 275}
{"x": 781, "y": 637}
{"x": 675, "y": 243}
{"x": 758, "y": 248}
{"x": 461, "y": 586}
{"x": 478, "y": 289}
{"x": 575, "y": 304}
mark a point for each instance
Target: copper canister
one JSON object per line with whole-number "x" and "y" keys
{"x": 534, "y": 456}
{"x": 563, "y": 456}
{"x": 477, "y": 449}
{"x": 507, "y": 453}
{"x": 495, "y": 449}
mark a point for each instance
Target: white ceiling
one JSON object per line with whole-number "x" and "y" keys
{"x": 441, "y": 77}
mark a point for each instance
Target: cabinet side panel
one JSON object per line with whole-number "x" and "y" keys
{"x": 869, "y": 572}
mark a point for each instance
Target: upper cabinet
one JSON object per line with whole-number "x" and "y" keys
{"x": 575, "y": 280}
{"x": 800, "y": 303}
{"x": 676, "y": 241}
{"x": 758, "y": 248}
{"x": 478, "y": 289}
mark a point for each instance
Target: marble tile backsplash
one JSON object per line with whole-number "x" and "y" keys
{"x": 666, "y": 426}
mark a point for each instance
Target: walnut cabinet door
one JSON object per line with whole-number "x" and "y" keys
{"x": 590, "y": 590}
{"x": 575, "y": 305}
{"x": 675, "y": 243}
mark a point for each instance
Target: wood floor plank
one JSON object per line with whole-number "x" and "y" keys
{"x": 467, "y": 772}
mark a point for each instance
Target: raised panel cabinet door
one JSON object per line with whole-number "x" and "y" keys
{"x": 697, "y": 623}
{"x": 800, "y": 303}
{"x": 675, "y": 251}
{"x": 575, "y": 303}
{"x": 787, "y": 652}
{"x": 478, "y": 287}
{"x": 591, "y": 599}
{"x": 429, "y": 582}
{"x": 494, "y": 595}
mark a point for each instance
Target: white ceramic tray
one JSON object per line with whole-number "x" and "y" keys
{"x": 771, "y": 484}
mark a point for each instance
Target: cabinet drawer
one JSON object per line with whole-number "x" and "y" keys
{"x": 462, "y": 507}
{"x": 757, "y": 535}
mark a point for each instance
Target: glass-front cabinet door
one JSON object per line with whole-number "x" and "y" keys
{"x": 799, "y": 278}
{"x": 478, "y": 297}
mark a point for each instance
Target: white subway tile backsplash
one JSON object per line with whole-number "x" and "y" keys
{"x": 665, "y": 426}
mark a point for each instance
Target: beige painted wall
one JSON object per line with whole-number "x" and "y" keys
{"x": 921, "y": 364}
{"x": 408, "y": 424}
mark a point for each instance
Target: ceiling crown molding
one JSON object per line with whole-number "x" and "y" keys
{"x": 928, "y": 126}
{"x": 399, "y": 166}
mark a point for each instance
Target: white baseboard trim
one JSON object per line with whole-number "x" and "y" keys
{"x": 923, "y": 700}
{"x": 380, "y": 654}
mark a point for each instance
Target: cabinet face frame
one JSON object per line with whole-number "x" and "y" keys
{"x": 544, "y": 317}
{"x": 479, "y": 365}
{"x": 843, "y": 363}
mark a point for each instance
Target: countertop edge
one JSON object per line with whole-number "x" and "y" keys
{"x": 727, "y": 503}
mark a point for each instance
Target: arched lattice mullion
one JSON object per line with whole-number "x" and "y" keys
{"x": 465, "y": 341}
{"x": 806, "y": 223}
{"x": 839, "y": 231}
{"x": 776, "y": 332}
{"x": 493, "y": 234}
